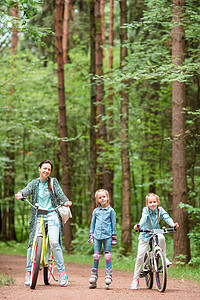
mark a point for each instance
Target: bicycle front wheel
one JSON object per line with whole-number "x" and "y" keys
{"x": 160, "y": 271}
{"x": 147, "y": 270}
{"x": 48, "y": 270}
{"x": 36, "y": 262}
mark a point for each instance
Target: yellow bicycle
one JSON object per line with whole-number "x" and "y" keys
{"x": 42, "y": 256}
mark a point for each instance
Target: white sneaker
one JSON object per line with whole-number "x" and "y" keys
{"x": 134, "y": 284}
{"x": 168, "y": 262}
{"x": 63, "y": 279}
{"x": 27, "y": 278}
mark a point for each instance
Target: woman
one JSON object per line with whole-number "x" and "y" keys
{"x": 40, "y": 189}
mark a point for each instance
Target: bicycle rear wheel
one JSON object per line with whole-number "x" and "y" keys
{"x": 147, "y": 270}
{"x": 48, "y": 270}
{"x": 36, "y": 262}
{"x": 161, "y": 271}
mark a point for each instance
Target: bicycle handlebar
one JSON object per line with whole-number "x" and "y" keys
{"x": 164, "y": 230}
{"x": 40, "y": 210}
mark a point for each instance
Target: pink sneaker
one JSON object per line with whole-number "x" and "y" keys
{"x": 63, "y": 279}
{"x": 27, "y": 278}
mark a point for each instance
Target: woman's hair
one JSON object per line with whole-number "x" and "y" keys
{"x": 96, "y": 196}
{"x": 46, "y": 162}
{"x": 152, "y": 195}
{"x": 49, "y": 178}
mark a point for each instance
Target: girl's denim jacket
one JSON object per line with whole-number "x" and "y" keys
{"x": 103, "y": 223}
{"x": 150, "y": 219}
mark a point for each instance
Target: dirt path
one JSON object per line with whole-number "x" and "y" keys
{"x": 78, "y": 285}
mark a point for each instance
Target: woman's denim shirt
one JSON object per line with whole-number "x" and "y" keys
{"x": 152, "y": 221}
{"x": 103, "y": 224}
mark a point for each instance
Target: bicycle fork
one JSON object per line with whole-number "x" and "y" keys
{"x": 156, "y": 249}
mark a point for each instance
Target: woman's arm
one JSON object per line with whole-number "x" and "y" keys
{"x": 60, "y": 195}
{"x": 26, "y": 191}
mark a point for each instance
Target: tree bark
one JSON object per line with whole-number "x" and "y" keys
{"x": 181, "y": 240}
{"x": 62, "y": 117}
{"x": 103, "y": 29}
{"x": 126, "y": 185}
{"x": 103, "y": 175}
{"x": 110, "y": 101}
{"x": 9, "y": 172}
{"x": 66, "y": 31}
{"x": 93, "y": 147}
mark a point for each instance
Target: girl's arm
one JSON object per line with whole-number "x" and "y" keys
{"x": 93, "y": 221}
{"x": 113, "y": 221}
{"x": 165, "y": 216}
{"x": 144, "y": 218}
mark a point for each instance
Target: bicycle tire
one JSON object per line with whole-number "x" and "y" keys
{"x": 147, "y": 268}
{"x": 36, "y": 262}
{"x": 161, "y": 273}
{"x": 48, "y": 270}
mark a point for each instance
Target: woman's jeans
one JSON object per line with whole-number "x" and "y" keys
{"x": 53, "y": 232}
{"x": 97, "y": 248}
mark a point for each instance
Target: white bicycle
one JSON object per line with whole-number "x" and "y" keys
{"x": 154, "y": 260}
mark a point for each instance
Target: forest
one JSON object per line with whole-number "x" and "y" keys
{"x": 109, "y": 91}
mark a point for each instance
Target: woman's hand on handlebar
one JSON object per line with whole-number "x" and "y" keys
{"x": 18, "y": 196}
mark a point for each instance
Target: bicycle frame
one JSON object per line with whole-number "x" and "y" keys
{"x": 45, "y": 243}
{"x": 41, "y": 244}
{"x": 154, "y": 261}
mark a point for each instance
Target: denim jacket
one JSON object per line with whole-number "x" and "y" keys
{"x": 103, "y": 224}
{"x": 150, "y": 219}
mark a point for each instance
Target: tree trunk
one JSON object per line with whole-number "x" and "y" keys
{"x": 181, "y": 240}
{"x": 9, "y": 187}
{"x": 126, "y": 185}
{"x": 14, "y": 39}
{"x": 62, "y": 116}
{"x": 9, "y": 182}
{"x": 93, "y": 110}
{"x": 103, "y": 29}
{"x": 110, "y": 101}
{"x": 66, "y": 31}
{"x": 103, "y": 177}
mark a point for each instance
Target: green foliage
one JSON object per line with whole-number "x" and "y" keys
{"x": 29, "y": 108}
{"x": 13, "y": 248}
{"x": 194, "y": 234}
{"x": 6, "y": 280}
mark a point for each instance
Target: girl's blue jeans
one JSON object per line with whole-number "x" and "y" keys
{"x": 97, "y": 248}
{"x": 53, "y": 231}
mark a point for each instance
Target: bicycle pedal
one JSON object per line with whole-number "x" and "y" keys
{"x": 143, "y": 274}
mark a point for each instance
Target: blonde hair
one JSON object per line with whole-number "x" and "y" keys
{"x": 96, "y": 196}
{"x": 152, "y": 195}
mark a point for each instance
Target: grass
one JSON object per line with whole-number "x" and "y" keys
{"x": 120, "y": 262}
{"x": 6, "y": 280}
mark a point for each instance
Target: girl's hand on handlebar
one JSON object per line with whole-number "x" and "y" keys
{"x": 68, "y": 203}
{"x": 18, "y": 196}
{"x": 176, "y": 226}
{"x": 136, "y": 227}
